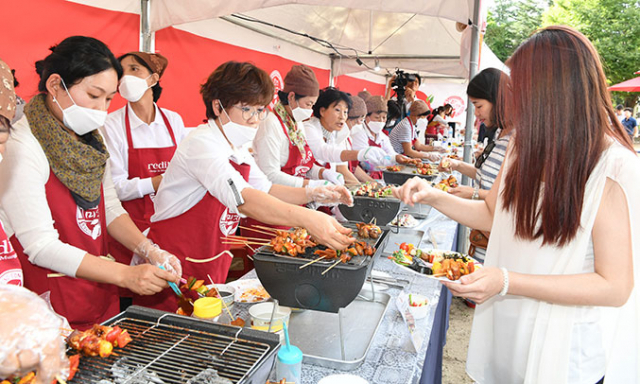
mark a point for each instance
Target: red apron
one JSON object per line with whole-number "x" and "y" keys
{"x": 198, "y": 234}
{"x": 374, "y": 174}
{"x": 296, "y": 166}
{"x": 81, "y": 301}
{"x": 10, "y": 269}
{"x": 143, "y": 163}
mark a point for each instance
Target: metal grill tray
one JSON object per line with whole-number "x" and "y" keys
{"x": 176, "y": 348}
{"x": 365, "y": 209}
{"x": 308, "y": 288}
{"x": 317, "y": 334}
{"x": 406, "y": 172}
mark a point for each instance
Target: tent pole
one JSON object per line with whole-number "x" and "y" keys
{"x": 332, "y": 57}
{"x": 146, "y": 37}
{"x": 463, "y": 232}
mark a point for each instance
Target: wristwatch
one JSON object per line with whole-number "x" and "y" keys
{"x": 476, "y": 194}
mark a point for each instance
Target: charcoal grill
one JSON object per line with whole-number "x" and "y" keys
{"x": 308, "y": 288}
{"x": 176, "y": 348}
{"x": 365, "y": 209}
{"x": 406, "y": 172}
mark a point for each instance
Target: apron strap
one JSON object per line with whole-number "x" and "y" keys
{"x": 128, "y": 126}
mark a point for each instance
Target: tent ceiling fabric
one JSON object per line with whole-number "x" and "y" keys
{"x": 166, "y": 13}
{"x": 416, "y": 36}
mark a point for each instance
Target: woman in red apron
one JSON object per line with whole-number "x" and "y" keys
{"x": 10, "y": 270}
{"x": 58, "y": 196}
{"x": 141, "y": 139}
{"x": 281, "y": 149}
{"x": 356, "y": 116}
{"x": 212, "y": 180}
{"x": 371, "y": 133}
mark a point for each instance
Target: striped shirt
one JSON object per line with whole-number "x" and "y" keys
{"x": 404, "y": 132}
{"x": 486, "y": 175}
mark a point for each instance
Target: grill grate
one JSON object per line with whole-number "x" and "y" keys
{"x": 173, "y": 354}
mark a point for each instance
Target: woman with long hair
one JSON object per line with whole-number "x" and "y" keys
{"x": 557, "y": 297}
{"x": 483, "y": 93}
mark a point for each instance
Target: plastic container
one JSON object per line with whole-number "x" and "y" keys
{"x": 289, "y": 361}
{"x": 227, "y": 292}
{"x": 207, "y": 308}
{"x": 261, "y": 315}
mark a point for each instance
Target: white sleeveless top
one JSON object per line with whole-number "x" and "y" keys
{"x": 522, "y": 340}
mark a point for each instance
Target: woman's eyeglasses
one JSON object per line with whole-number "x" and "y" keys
{"x": 248, "y": 112}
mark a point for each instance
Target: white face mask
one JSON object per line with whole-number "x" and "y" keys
{"x": 132, "y": 88}
{"x": 301, "y": 114}
{"x": 376, "y": 126}
{"x": 237, "y": 134}
{"x": 356, "y": 127}
{"x": 81, "y": 120}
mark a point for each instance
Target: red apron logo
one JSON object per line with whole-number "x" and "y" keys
{"x": 12, "y": 276}
{"x": 229, "y": 222}
{"x": 276, "y": 77}
{"x": 301, "y": 171}
{"x": 6, "y": 249}
{"x": 157, "y": 167}
{"x": 457, "y": 103}
{"x": 89, "y": 222}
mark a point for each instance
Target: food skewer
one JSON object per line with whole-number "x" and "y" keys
{"x": 312, "y": 261}
{"x": 256, "y": 230}
{"x": 333, "y": 265}
{"x": 266, "y": 228}
{"x": 236, "y": 237}
{"x": 220, "y": 297}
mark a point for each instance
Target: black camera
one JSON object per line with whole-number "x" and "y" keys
{"x": 400, "y": 83}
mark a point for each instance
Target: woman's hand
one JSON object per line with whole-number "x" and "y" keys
{"x": 402, "y": 159}
{"x": 146, "y": 279}
{"x": 478, "y": 286}
{"x": 329, "y": 195}
{"x": 463, "y": 191}
{"x": 448, "y": 165}
{"x": 159, "y": 257}
{"x": 415, "y": 190}
{"x": 326, "y": 230}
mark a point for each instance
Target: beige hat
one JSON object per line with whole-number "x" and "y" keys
{"x": 155, "y": 61}
{"x": 418, "y": 107}
{"x": 302, "y": 81}
{"x": 7, "y": 93}
{"x": 376, "y": 104}
{"x": 364, "y": 95}
{"x": 358, "y": 107}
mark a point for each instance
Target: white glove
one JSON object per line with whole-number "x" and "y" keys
{"x": 431, "y": 156}
{"x": 331, "y": 195}
{"x": 31, "y": 335}
{"x": 335, "y": 177}
{"x": 159, "y": 257}
{"x": 318, "y": 183}
{"x": 375, "y": 156}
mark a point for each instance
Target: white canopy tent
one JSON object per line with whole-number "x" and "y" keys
{"x": 417, "y": 36}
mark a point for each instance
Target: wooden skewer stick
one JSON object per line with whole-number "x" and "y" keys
{"x": 312, "y": 261}
{"x": 267, "y": 228}
{"x": 232, "y": 241}
{"x": 256, "y": 230}
{"x": 334, "y": 264}
{"x": 60, "y": 379}
{"x": 234, "y": 237}
{"x": 209, "y": 259}
{"x": 221, "y": 299}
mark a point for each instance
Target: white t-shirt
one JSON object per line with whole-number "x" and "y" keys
{"x": 201, "y": 165}
{"x": 24, "y": 209}
{"x": 143, "y": 135}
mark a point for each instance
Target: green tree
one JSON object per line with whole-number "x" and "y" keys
{"x": 510, "y": 22}
{"x": 614, "y": 28}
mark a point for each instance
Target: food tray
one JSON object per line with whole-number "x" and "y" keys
{"x": 308, "y": 288}
{"x": 403, "y": 235}
{"x": 317, "y": 334}
{"x": 406, "y": 172}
